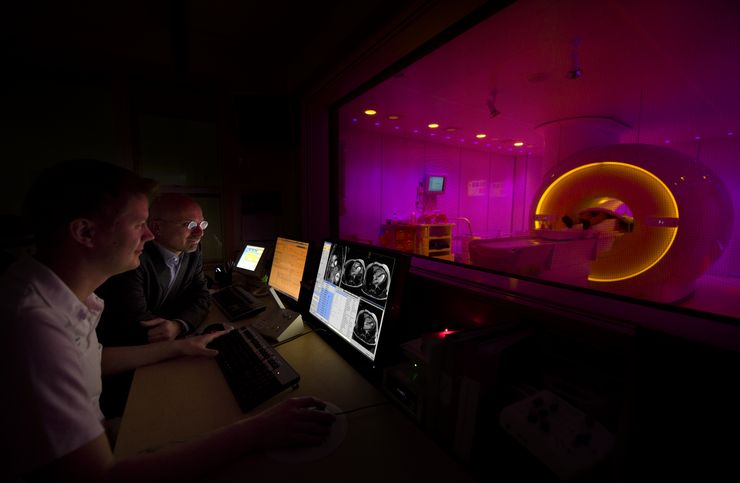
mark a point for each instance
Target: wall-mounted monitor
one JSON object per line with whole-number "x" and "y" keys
{"x": 435, "y": 184}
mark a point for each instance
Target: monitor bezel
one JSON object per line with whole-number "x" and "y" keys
{"x": 388, "y": 350}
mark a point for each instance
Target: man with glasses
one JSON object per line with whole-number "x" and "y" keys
{"x": 166, "y": 297}
{"x": 89, "y": 220}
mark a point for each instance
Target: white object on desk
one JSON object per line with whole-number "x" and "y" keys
{"x": 279, "y": 325}
{"x": 312, "y": 453}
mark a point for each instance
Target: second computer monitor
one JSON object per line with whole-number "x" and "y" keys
{"x": 288, "y": 263}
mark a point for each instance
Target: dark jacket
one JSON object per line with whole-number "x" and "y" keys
{"x": 139, "y": 294}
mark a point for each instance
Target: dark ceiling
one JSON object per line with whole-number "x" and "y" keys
{"x": 256, "y": 47}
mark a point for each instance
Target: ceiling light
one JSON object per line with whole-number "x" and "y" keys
{"x": 480, "y": 136}
{"x": 518, "y": 144}
{"x": 451, "y": 129}
{"x": 394, "y": 117}
{"x": 433, "y": 125}
{"x": 370, "y": 112}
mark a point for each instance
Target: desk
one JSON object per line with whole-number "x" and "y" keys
{"x": 180, "y": 399}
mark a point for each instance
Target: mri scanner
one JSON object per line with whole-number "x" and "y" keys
{"x": 678, "y": 213}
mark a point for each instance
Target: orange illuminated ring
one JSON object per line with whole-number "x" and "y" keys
{"x": 645, "y": 194}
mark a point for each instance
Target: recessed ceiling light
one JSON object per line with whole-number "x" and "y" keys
{"x": 451, "y": 129}
{"x": 370, "y": 112}
{"x": 480, "y": 136}
{"x": 433, "y": 125}
{"x": 519, "y": 144}
{"x": 394, "y": 117}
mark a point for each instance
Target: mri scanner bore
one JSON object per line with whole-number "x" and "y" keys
{"x": 668, "y": 213}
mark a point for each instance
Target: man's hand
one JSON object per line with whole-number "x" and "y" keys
{"x": 162, "y": 329}
{"x": 197, "y": 345}
{"x": 297, "y": 421}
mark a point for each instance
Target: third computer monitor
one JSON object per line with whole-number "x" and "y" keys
{"x": 354, "y": 292}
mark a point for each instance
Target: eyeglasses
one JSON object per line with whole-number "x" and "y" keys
{"x": 190, "y": 225}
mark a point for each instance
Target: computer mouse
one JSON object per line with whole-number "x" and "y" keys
{"x": 312, "y": 453}
{"x": 214, "y": 328}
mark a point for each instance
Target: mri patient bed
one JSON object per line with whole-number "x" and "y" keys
{"x": 678, "y": 214}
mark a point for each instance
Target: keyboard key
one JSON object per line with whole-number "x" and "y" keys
{"x": 253, "y": 369}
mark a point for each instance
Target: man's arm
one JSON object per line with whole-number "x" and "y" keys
{"x": 290, "y": 423}
{"x": 159, "y": 329}
{"x": 121, "y": 359}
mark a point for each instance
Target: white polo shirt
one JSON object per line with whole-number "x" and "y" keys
{"x": 50, "y": 373}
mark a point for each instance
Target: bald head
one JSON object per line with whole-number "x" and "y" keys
{"x": 169, "y": 217}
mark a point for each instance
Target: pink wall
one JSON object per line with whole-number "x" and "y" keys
{"x": 381, "y": 173}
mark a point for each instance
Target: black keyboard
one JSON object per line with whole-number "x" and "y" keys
{"x": 254, "y": 370}
{"x": 236, "y": 303}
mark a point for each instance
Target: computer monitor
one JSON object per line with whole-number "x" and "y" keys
{"x": 250, "y": 258}
{"x": 435, "y": 184}
{"x": 254, "y": 260}
{"x": 288, "y": 263}
{"x": 357, "y": 295}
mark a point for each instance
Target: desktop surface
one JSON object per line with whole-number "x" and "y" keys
{"x": 180, "y": 399}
